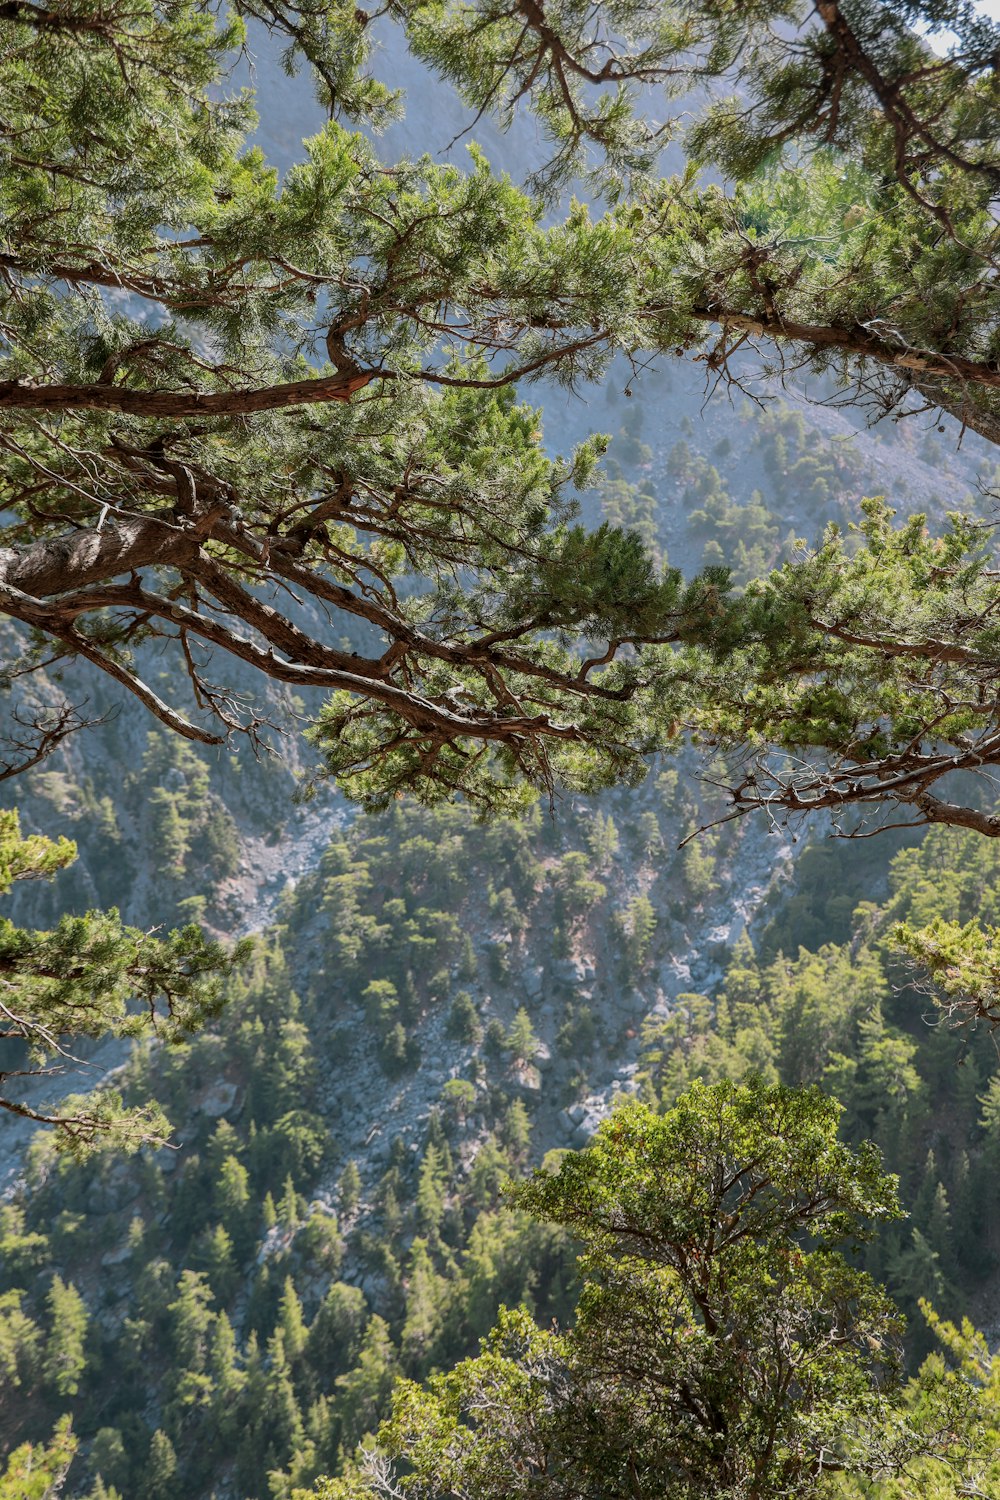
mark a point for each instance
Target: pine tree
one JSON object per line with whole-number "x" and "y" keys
{"x": 522, "y": 1043}
{"x": 867, "y": 176}
{"x": 232, "y": 1194}
{"x": 430, "y": 1192}
{"x": 191, "y": 1321}
{"x": 291, "y": 1323}
{"x": 160, "y": 1480}
{"x": 349, "y": 1188}
{"x": 424, "y": 1298}
{"x": 79, "y": 980}
{"x": 285, "y": 1427}
{"x": 517, "y": 1128}
{"x": 216, "y": 1258}
{"x": 65, "y": 1352}
{"x": 363, "y": 1392}
{"x": 290, "y": 1207}
{"x": 228, "y": 1380}
{"x": 37, "y": 1471}
{"x": 336, "y": 1332}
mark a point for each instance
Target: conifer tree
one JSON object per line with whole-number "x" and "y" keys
{"x": 291, "y": 1323}
{"x": 80, "y": 980}
{"x": 228, "y": 1379}
{"x": 65, "y": 1347}
{"x": 284, "y": 1419}
{"x": 338, "y": 414}
{"x": 37, "y": 1471}
{"x": 522, "y": 1042}
{"x": 350, "y": 1187}
{"x": 160, "y": 1478}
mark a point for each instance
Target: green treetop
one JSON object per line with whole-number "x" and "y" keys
{"x": 724, "y": 1344}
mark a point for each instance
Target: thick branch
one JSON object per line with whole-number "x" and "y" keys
{"x": 171, "y": 404}
{"x": 860, "y": 342}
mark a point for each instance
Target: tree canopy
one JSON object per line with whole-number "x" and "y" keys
{"x": 233, "y": 406}
{"x": 723, "y": 1344}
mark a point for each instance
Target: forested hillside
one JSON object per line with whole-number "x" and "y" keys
{"x": 469, "y": 576}
{"x": 413, "y": 1032}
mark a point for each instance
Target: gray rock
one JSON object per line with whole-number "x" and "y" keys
{"x": 117, "y": 1256}
{"x": 586, "y": 1129}
{"x": 115, "y": 1192}
{"x": 219, "y": 1101}
{"x": 527, "y": 1079}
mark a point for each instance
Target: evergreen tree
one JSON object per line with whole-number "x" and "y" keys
{"x": 284, "y": 1419}
{"x": 37, "y": 1471}
{"x": 424, "y": 1297}
{"x": 78, "y": 980}
{"x": 430, "y": 1192}
{"x": 350, "y": 1188}
{"x": 65, "y": 1347}
{"x": 291, "y": 1323}
{"x": 216, "y": 1258}
{"x": 290, "y": 1207}
{"x": 336, "y": 1332}
{"x": 363, "y": 1392}
{"x": 862, "y": 173}
{"x": 522, "y": 1043}
{"x": 160, "y": 1480}
{"x": 227, "y": 1378}
{"x": 517, "y": 1128}
{"x": 191, "y": 1321}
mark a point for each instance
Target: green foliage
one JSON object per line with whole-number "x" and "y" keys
{"x": 521, "y": 1039}
{"x": 714, "y": 1302}
{"x": 857, "y": 220}
{"x": 65, "y": 1356}
{"x": 37, "y": 1471}
{"x": 93, "y": 977}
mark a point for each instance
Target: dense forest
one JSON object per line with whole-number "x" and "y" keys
{"x": 499, "y": 975}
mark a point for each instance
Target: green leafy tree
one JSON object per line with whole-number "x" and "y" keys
{"x": 723, "y": 1345}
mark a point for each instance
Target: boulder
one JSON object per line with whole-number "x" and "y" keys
{"x": 586, "y": 1129}
{"x": 526, "y": 1079}
{"x": 219, "y": 1101}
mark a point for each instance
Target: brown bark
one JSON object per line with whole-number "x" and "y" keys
{"x": 168, "y": 405}
{"x": 912, "y": 364}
